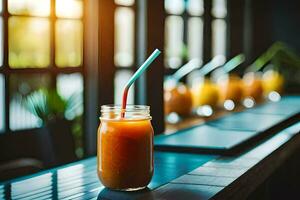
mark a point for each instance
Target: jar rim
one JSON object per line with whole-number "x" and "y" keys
{"x": 129, "y": 108}
{"x": 132, "y": 112}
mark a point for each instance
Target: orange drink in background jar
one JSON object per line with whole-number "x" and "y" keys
{"x": 178, "y": 99}
{"x": 253, "y": 86}
{"x": 125, "y": 147}
{"x": 230, "y": 88}
{"x": 205, "y": 93}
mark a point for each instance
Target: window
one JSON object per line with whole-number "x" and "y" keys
{"x": 21, "y": 85}
{"x": 2, "y": 105}
{"x": 23, "y": 52}
{"x": 183, "y": 31}
{"x": 219, "y": 26}
{"x": 43, "y": 50}
{"x": 124, "y": 55}
{"x": 69, "y": 85}
{"x": 194, "y": 29}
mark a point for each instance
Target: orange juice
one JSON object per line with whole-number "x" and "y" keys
{"x": 178, "y": 99}
{"x": 231, "y": 88}
{"x": 205, "y": 93}
{"x": 253, "y": 86}
{"x": 125, "y": 151}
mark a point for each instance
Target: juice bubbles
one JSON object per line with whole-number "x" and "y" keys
{"x": 125, "y": 148}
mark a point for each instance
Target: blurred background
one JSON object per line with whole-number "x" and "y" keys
{"x": 62, "y": 59}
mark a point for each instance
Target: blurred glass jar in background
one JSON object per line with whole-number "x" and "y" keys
{"x": 273, "y": 83}
{"x": 177, "y": 99}
{"x": 205, "y": 95}
{"x": 230, "y": 90}
{"x": 253, "y": 87}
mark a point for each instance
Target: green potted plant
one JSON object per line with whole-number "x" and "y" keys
{"x": 283, "y": 62}
{"x": 58, "y": 117}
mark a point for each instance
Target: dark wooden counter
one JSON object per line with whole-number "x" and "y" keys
{"x": 177, "y": 175}
{"x": 234, "y": 177}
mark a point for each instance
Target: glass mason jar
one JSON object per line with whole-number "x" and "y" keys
{"x": 125, "y": 147}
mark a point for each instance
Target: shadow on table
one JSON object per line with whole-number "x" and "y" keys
{"x": 29, "y": 151}
{"x": 107, "y": 194}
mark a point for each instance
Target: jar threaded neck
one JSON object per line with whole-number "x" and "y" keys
{"x": 132, "y": 112}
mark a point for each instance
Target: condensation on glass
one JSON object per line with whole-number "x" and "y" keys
{"x": 71, "y": 86}
{"x": 218, "y": 37}
{"x": 28, "y": 42}
{"x": 121, "y": 78}
{"x": 20, "y": 86}
{"x": 173, "y": 41}
{"x": 2, "y": 104}
{"x": 29, "y": 7}
{"x": 195, "y": 38}
{"x": 124, "y": 37}
{"x": 69, "y": 8}
{"x": 68, "y": 43}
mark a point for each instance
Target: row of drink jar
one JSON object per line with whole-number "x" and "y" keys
{"x": 205, "y": 94}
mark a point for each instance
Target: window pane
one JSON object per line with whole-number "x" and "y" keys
{"x": 69, "y": 41}
{"x": 174, "y": 41}
{"x": 175, "y": 7}
{"x": 218, "y": 37}
{"x": 1, "y": 5}
{"x": 70, "y": 87}
{"x": 28, "y": 42}
{"x": 124, "y": 2}
{"x": 69, "y": 8}
{"x": 29, "y": 7}
{"x": 121, "y": 78}
{"x": 20, "y": 86}
{"x": 2, "y": 107}
{"x": 195, "y": 7}
{"x": 195, "y": 38}
{"x": 219, "y": 8}
{"x": 124, "y": 37}
{"x": 1, "y": 41}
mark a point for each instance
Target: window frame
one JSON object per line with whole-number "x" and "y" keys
{"x": 52, "y": 69}
{"x": 148, "y": 92}
{"x": 131, "y": 68}
{"x": 205, "y": 17}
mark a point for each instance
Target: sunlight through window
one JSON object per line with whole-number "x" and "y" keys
{"x": 29, "y": 7}
{"x": 69, "y": 8}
